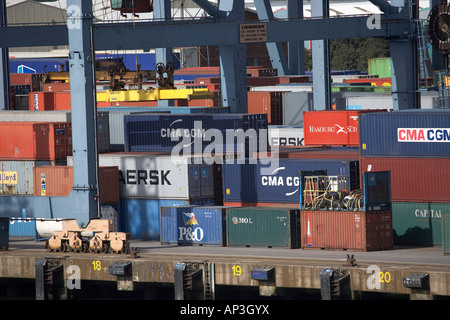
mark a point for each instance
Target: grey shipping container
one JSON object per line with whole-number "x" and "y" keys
{"x": 264, "y": 226}
{"x": 149, "y": 176}
{"x": 17, "y": 176}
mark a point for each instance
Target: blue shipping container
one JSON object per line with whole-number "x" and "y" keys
{"x": 22, "y": 227}
{"x": 424, "y": 133}
{"x": 278, "y": 182}
{"x": 193, "y": 225}
{"x": 140, "y": 217}
{"x": 187, "y": 132}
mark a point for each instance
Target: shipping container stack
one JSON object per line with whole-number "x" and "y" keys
{"x": 414, "y": 146}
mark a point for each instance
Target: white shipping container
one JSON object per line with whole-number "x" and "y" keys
{"x": 285, "y": 136}
{"x": 149, "y": 176}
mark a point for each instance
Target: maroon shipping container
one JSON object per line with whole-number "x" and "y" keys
{"x": 414, "y": 179}
{"x": 269, "y": 103}
{"x": 346, "y": 230}
{"x": 35, "y": 140}
{"x": 307, "y": 153}
{"x": 258, "y": 204}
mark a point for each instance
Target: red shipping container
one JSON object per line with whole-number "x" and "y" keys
{"x": 258, "y": 204}
{"x": 58, "y": 181}
{"x": 56, "y": 87}
{"x": 29, "y": 79}
{"x": 346, "y": 230}
{"x": 41, "y": 101}
{"x": 332, "y": 127}
{"x": 35, "y": 140}
{"x": 270, "y": 103}
{"x": 303, "y": 153}
{"x": 414, "y": 179}
{"x": 62, "y": 100}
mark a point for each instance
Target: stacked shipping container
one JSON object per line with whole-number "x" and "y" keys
{"x": 415, "y": 147}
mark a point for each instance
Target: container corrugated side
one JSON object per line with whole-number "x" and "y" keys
{"x": 413, "y": 179}
{"x": 405, "y": 134}
{"x": 151, "y": 176}
{"x": 346, "y": 230}
{"x": 17, "y": 176}
{"x": 22, "y": 227}
{"x": 269, "y": 103}
{"x": 446, "y": 234}
{"x": 285, "y": 136}
{"x": 418, "y": 223}
{"x": 35, "y": 140}
{"x": 141, "y": 217}
{"x": 193, "y": 225}
{"x": 263, "y": 226}
{"x": 278, "y": 181}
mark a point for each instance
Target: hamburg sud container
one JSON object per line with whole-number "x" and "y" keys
{"x": 424, "y": 133}
{"x": 193, "y": 225}
{"x": 263, "y": 226}
{"x": 333, "y": 128}
{"x": 277, "y": 180}
{"x": 191, "y": 132}
{"x": 366, "y": 229}
{"x": 35, "y": 140}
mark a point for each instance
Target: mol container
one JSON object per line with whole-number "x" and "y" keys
{"x": 150, "y": 176}
{"x": 190, "y": 133}
{"x": 141, "y": 217}
{"x": 277, "y": 180}
{"x": 35, "y": 140}
{"x": 193, "y": 225}
{"x": 418, "y": 223}
{"x": 263, "y": 226}
{"x": 414, "y": 179}
{"x": 58, "y": 181}
{"x": 424, "y": 133}
{"x": 333, "y": 128}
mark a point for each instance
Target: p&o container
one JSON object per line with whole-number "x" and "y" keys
{"x": 263, "y": 226}
{"x": 424, "y": 133}
{"x": 193, "y": 225}
{"x": 278, "y": 180}
{"x": 35, "y": 140}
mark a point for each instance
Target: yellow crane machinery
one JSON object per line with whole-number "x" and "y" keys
{"x": 117, "y": 74}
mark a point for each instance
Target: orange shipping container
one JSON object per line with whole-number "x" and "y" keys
{"x": 346, "y": 230}
{"x": 35, "y": 140}
{"x": 269, "y": 103}
{"x": 56, "y": 87}
{"x": 62, "y": 100}
{"x": 58, "y": 181}
{"x": 41, "y": 101}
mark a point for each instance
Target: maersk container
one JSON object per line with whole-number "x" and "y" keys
{"x": 424, "y": 133}
{"x": 418, "y": 223}
{"x": 263, "y": 226}
{"x": 17, "y": 176}
{"x": 140, "y": 217}
{"x": 285, "y": 136}
{"x": 150, "y": 176}
{"x": 193, "y": 225}
{"x": 346, "y": 230}
{"x": 190, "y": 132}
{"x": 278, "y": 180}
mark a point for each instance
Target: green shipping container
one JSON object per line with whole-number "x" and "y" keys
{"x": 418, "y": 223}
{"x": 380, "y": 67}
{"x": 446, "y": 233}
{"x": 264, "y": 226}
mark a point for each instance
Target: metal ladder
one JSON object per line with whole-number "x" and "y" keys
{"x": 208, "y": 280}
{"x": 425, "y": 64}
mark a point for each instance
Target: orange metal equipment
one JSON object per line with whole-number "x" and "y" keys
{"x": 97, "y": 237}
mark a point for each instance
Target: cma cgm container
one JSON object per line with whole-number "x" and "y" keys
{"x": 193, "y": 225}
{"x": 35, "y": 140}
{"x": 424, "y": 133}
{"x": 190, "y": 132}
{"x": 418, "y": 223}
{"x": 414, "y": 179}
{"x": 140, "y": 217}
{"x": 263, "y": 226}
{"x": 278, "y": 180}
{"x": 161, "y": 177}
{"x": 58, "y": 181}
{"x": 17, "y": 176}
{"x": 346, "y": 230}
{"x": 333, "y": 128}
